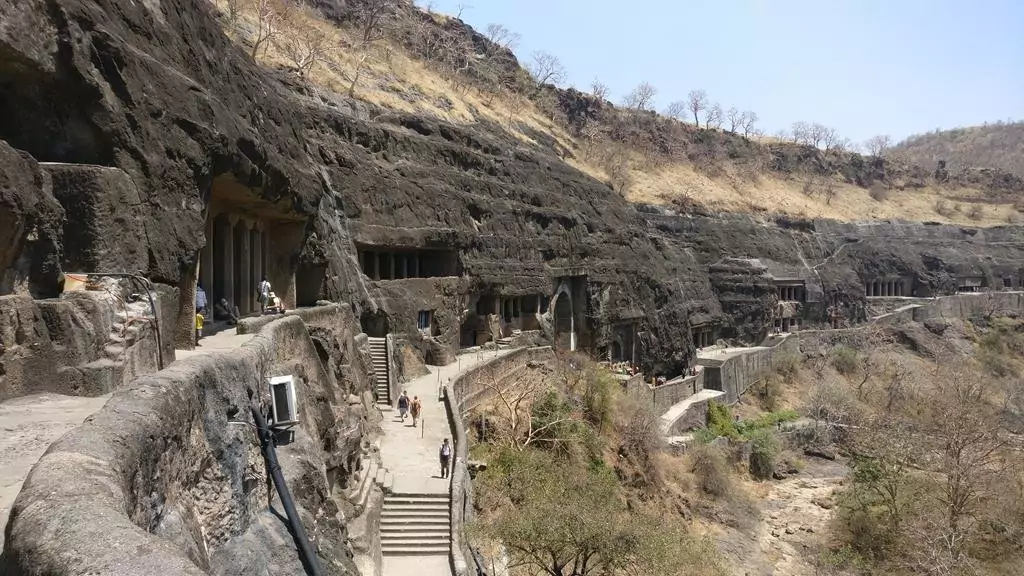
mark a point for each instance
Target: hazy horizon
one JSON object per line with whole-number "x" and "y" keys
{"x": 864, "y": 67}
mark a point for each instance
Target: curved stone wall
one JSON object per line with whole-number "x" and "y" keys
{"x": 168, "y": 477}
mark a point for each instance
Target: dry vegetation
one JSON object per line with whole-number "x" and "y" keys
{"x": 395, "y": 56}
{"x": 999, "y": 145}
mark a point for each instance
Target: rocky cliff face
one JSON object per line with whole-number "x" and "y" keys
{"x": 164, "y": 96}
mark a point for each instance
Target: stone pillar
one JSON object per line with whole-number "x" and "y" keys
{"x": 184, "y": 326}
{"x": 391, "y": 264}
{"x": 256, "y": 241}
{"x": 415, "y": 265}
{"x": 403, "y": 266}
{"x": 247, "y": 289}
{"x": 206, "y": 263}
{"x": 227, "y": 252}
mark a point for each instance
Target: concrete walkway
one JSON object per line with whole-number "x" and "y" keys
{"x": 411, "y": 454}
{"x": 677, "y": 411}
{"x": 224, "y": 340}
{"x": 28, "y": 425}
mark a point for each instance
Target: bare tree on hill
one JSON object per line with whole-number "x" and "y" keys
{"x": 546, "y": 69}
{"x": 271, "y": 18}
{"x": 697, "y": 102}
{"x": 502, "y": 37}
{"x": 877, "y": 145}
{"x": 371, "y": 29}
{"x": 713, "y": 117}
{"x": 305, "y": 45}
{"x": 676, "y": 110}
{"x": 749, "y": 119}
{"x": 598, "y": 89}
{"x": 735, "y": 118}
{"x": 641, "y": 97}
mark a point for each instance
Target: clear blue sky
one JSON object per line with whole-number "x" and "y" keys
{"x": 865, "y": 67}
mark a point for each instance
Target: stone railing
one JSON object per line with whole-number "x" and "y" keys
{"x": 662, "y": 397}
{"x": 112, "y": 475}
{"x": 462, "y": 394}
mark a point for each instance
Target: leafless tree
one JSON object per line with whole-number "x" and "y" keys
{"x": 460, "y": 9}
{"x": 749, "y": 119}
{"x": 697, "y": 102}
{"x": 598, "y": 89}
{"x": 546, "y": 69}
{"x": 877, "y": 145}
{"x": 304, "y": 45}
{"x": 371, "y": 17}
{"x": 735, "y": 118}
{"x": 271, "y": 18}
{"x": 641, "y": 97}
{"x": 816, "y": 134}
{"x": 801, "y": 133}
{"x": 234, "y": 9}
{"x": 713, "y": 117}
{"x": 676, "y": 110}
{"x": 502, "y": 37}
{"x": 830, "y": 137}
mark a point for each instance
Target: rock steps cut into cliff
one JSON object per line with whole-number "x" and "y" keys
{"x": 415, "y": 524}
{"x": 379, "y": 359}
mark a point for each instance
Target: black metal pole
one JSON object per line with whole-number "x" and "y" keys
{"x": 306, "y": 553}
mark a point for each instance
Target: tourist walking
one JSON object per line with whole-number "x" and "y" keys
{"x": 414, "y": 409}
{"x": 403, "y": 405}
{"x": 446, "y": 457}
{"x": 200, "y": 298}
{"x": 264, "y": 293}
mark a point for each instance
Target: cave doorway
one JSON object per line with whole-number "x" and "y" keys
{"x": 565, "y": 324}
{"x": 615, "y": 352}
{"x": 375, "y": 324}
{"x": 309, "y": 281}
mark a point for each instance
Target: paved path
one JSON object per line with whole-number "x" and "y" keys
{"x": 224, "y": 340}
{"x": 411, "y": 454}
{"x": 28, "y": 425}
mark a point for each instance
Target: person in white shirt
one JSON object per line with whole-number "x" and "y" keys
{"x": 264, "y": 293}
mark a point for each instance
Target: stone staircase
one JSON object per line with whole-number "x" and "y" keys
{"x": 379, "y": 358}
{"x": 415, "y": 525}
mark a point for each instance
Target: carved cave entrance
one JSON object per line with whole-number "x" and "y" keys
{"x": 247, "y": 239}
{"x": 565, "y": 323}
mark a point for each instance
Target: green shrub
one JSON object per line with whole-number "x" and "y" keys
{"x": 721, "y": 421}
{"x": 845, "y": 360}
{"x": 763, "y": 452}
{"x": 746, "y": 427}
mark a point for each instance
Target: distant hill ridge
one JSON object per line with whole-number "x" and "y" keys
{"x": 999, "y": 145}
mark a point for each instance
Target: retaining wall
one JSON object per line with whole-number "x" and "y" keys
{"x": 163, "y": 481}
{"x": 461, "y": 395}
{"x": 737, "y": 370}
{"x": 661, "y": 398}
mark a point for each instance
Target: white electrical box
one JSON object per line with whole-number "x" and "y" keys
{"x": 282, "y": 395}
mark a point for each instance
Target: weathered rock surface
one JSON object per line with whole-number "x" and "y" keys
{"x": 161, "y": 482}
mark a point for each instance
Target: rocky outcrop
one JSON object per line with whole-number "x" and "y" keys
{"x": 86, "y": 343}
{"x": 29, "y": 225}
{"x": 168, "y": 477}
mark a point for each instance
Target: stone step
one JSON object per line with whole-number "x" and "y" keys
{"x": 432, "y": 506}
{"x": 415, "y": 550}
{"x": 395, "y": 523}
{"x": 415, "y": 538}
{"x": 415, "y": 512}
{"x": 418, "y": 499}
{"x": 427, "y": 531}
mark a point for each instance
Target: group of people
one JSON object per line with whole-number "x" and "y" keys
{"x": 414, "y": 407}
{"x": 223, "y": 310}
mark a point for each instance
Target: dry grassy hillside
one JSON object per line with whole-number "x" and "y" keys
{"x": 999, "y": 145}
{"x": 380, "y": 58}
